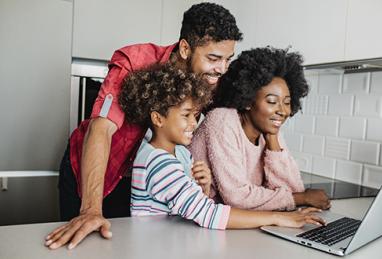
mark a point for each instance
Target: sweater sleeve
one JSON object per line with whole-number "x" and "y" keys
{"x": 168, "y": 184}
{"x": 281, "y": 170}
{"x": 225, "y": 153}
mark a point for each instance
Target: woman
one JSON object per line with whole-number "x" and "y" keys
{"x": 240, "y": 138}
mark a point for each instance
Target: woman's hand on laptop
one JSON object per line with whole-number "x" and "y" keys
{"x": 312, "y": 197}
{"x": 299, "y": 218}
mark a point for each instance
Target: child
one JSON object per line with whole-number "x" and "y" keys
{"x": 165, "y": 181}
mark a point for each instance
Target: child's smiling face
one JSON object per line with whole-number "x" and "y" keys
{"x": 179, "y": 124}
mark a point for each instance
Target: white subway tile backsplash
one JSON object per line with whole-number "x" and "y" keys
{"x": 368, "y": 105}
{"x": 376, "y": 82}
{"x": 339, "y": 133}
{"x": 374, "y": 129}
{"x": 338, "y": 148}
{"x": 349, "y": 171}
{"x": 356, "y": 83}
{"x": 304, "y": 161}
{"x": 312, "y": 80}
{"x": 313, "y": 144}
{"x": 326, "y": 125}
{"x": 352, "y": 127}
{"x": 372, "y": 176}
{"x": 293, "y": 141}
{"x": 304, "y": 123}
{"x": 329, "y": 83}
{"x": 314, "y": 104}
{"x": 340, "y": 105}
{"x": 288, "y": 125}
{"x": 367, "y": 152}
{"x": 323, "y": 166}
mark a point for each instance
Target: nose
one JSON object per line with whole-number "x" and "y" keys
{"x": 222, "y": 67}
{"x": 282, "y": 109}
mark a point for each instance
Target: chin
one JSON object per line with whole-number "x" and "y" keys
{"x": 185, "y": 142}
{"x": 212, "y": 86}
{"x": 272, "y": 131}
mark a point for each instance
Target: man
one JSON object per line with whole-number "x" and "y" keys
{"x": 93, "y": 176}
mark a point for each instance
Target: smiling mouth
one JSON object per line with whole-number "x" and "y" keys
{"x": 212, "y": 79}
{"x": 277, "y": 123}
{"x": 188, "y": 134}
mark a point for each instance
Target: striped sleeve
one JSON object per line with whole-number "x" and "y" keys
{"x": 167, "y": 183}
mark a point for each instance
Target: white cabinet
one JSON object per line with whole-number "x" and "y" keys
{"x": 102, "y": 26}
{"x": 314, "y": 28}
{"x": 35, "y": 40}
{"x": 364, "y": 37}
{"x": 323, "y": 31}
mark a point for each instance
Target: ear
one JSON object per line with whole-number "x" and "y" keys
{"x": 157, "y": 119}
{"x": 184, "y": 49}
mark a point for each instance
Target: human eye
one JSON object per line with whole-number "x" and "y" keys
{"x": 271, "y": 101}
{"x": 196, "y": 114}
{"x": 185, "y": 114}
{"x": 212, "y": 58}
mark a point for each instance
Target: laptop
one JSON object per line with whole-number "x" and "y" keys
{"x": 341, "y": 236}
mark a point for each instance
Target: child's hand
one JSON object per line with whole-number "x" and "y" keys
{"x": 202, "y": 176}
{"x": 297, "y": 219}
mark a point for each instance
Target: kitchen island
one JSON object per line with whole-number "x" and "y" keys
{"x": 172, "y": 237}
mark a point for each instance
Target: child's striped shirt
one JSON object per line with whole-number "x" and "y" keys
{"x": 161, "y": 184}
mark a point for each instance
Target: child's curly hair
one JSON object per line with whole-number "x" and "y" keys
{"x": 157, "y": 88}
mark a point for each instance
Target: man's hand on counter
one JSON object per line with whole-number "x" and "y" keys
{"x": 312, "y": 197}
{"x": 77, "y": 229}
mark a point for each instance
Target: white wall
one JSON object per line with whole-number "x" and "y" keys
{"x": 35, "y": 51}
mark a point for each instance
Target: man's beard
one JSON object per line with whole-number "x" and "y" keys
{"x": 202, "y": 75}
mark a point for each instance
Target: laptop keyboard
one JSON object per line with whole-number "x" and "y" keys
{"x": 333, "y": 232}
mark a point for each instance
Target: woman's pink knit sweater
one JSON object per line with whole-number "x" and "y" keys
{"x": 246, "y": 176}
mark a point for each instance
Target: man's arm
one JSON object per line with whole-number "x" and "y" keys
{"x": 94, "y": 160}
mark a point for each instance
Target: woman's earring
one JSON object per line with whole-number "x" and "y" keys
{"x": 248, "y": 108}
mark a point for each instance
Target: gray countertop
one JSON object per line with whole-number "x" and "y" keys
{"x": 337, "y": 189}
{"x": 173, "y": 237}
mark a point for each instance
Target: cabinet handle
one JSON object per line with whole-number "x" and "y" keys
{"x": 4, "y": 183}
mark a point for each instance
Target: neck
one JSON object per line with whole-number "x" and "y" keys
{"x": 158, "y": 141}
{"x": 252, "y": 133}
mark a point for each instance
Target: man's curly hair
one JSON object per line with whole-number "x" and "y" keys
{"x": 208, "y": 22}
{"x": 256, "y": 68}
{"x": 157, "y": 88}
